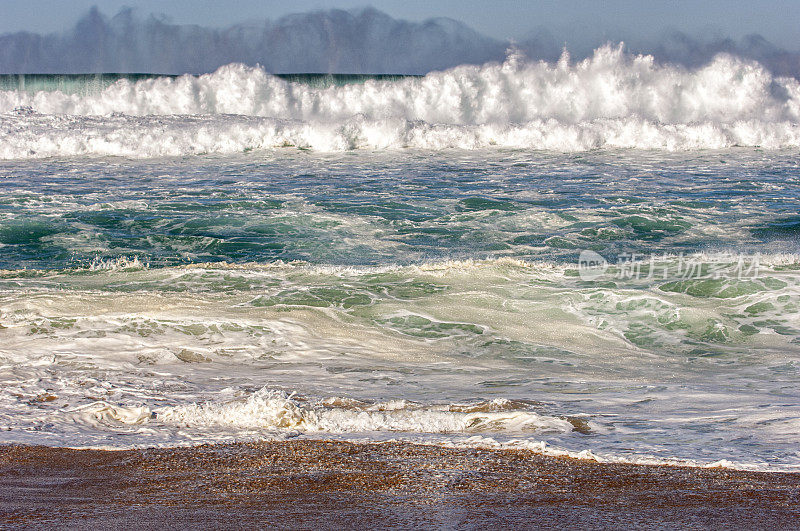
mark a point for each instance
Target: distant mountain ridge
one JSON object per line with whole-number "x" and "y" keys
{"x": 364, "y": 41}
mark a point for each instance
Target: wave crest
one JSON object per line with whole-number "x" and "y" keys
{"x": 612, "y": 99}
{"x": 268, "y": 409}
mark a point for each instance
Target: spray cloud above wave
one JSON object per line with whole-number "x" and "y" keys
{"x": 337, "y": 41}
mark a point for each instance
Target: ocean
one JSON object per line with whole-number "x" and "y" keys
{"x": 595, "y": 258}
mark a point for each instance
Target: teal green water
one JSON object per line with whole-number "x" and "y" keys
{"x": 395, "y": 208}
{"x": 433, "y": 296}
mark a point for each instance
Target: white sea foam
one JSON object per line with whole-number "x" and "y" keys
{"x": 90, "y": 355}
{"x": 611, "y": 99}
{"x": 269, "y": 414}
{"x": 268, "y": 410}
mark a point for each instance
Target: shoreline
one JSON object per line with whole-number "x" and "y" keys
{"x": 334, "y": 483}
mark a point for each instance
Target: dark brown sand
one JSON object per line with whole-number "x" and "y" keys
{"x": 315, "y": 484}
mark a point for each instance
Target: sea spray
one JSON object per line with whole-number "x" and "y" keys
{"x": 610, "y": 100}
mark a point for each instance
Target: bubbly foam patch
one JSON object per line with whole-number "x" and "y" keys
{"x": 612, "y": 100}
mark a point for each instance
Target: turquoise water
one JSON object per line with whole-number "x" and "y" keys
{"x": 596, "y": 258}
{"x": 381, "y": 209}
{"x": 434, "y": 296}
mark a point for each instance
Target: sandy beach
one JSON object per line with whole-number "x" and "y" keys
{"x": 312, "y": 484}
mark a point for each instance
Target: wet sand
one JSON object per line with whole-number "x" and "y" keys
{"x": 318, "y": 484}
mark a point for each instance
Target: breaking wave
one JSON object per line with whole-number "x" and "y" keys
{"x": 271, "y": 410}
{"x": 610, "y": 100}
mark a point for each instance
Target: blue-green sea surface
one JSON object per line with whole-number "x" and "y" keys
{"x": 415, "y": 294}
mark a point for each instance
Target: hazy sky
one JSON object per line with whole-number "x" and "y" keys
{"x": 777, "y": 20}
